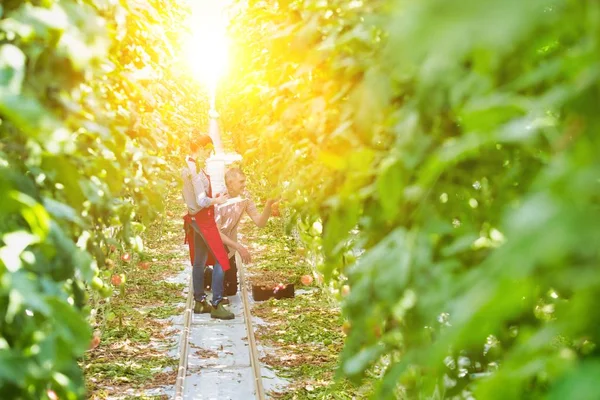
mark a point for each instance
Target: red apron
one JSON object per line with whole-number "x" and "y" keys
{"x": 205, "y": 219}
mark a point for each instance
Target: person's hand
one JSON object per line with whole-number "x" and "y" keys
{"x": 244, "y": 254}
{"x": 219, "y": 200}
{"x": 271, "y": 202}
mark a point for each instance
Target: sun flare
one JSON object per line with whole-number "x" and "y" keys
{"x": 206, "y": 49}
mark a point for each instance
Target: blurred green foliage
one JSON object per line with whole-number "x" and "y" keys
{"x": 93, "y": 107}
{"x": 453, "y": 147}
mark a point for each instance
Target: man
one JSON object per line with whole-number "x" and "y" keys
{"x": 228, "y": 217}
{"x": 201, "y": 232}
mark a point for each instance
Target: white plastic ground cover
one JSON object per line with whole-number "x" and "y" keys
{"x": 219, "y": 359}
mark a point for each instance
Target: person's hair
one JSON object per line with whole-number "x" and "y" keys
{"x": 199, "y": 141}
{"x": 233, "y": 173}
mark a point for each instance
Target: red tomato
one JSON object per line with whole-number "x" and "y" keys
{"x": 95, "y": 342}
{"x": 275, "y": 210}
{"x": 116, "y": 280}
{"x": 306, "y": 279}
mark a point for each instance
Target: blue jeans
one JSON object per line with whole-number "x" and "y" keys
{"x": 200, "y": 256}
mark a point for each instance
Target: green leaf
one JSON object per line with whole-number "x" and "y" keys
{"x": 34, "y": 213}
{"x": 29, "y": 21}
{"x": 13, "y": 367}
{"x": 462, "y": 243}
{"x": 580, "y": 384}
{"x": 332, "y": 160}
{"x": 26, "y": 289}
{"x": 15, "y": 244}
{"x": 390, "y": 186}
{"x": 12, "y": 70}
{"x": 71, "y": 327}
{"x": 358, "y": 363}
{"x": 61, "y": 210}
{"x": 388, "y": 264}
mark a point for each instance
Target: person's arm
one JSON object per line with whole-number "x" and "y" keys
{"x": 202, "y": 198}
{"x": 260, "y": 219}
{"x": 244, "y": 253}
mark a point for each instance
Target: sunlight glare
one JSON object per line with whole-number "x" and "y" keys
{"x": 207, "y": 47}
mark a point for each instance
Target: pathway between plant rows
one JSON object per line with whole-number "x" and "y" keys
{"x": 298, "y": 340}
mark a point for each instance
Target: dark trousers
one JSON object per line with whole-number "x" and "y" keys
{"x": 230, "y": 282}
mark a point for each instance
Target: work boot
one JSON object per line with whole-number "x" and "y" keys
{"x": 202, "y": 307}
{"x": 225, "y": 301}
{"x": 220, "y": 312}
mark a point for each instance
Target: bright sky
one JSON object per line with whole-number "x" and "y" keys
{"x": 207, "y": 50}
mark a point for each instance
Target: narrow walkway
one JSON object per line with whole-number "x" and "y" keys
{"x": 219, "y": 358}
{"x": 219, "y": 361}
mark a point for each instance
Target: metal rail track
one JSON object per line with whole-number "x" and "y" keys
{"x": 184, "y": 345}
{"x": 254, "y": 361}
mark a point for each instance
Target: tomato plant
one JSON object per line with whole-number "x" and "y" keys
{"x": 94, "y": 107}
{"x": 444, "y": 159}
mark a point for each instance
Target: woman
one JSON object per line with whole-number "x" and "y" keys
{"x": 201, "y": 232}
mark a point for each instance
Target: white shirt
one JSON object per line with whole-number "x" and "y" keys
{"x": 195, "y": 187}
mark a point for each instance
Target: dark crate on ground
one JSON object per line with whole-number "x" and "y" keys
{"x": 262, "y": 293}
